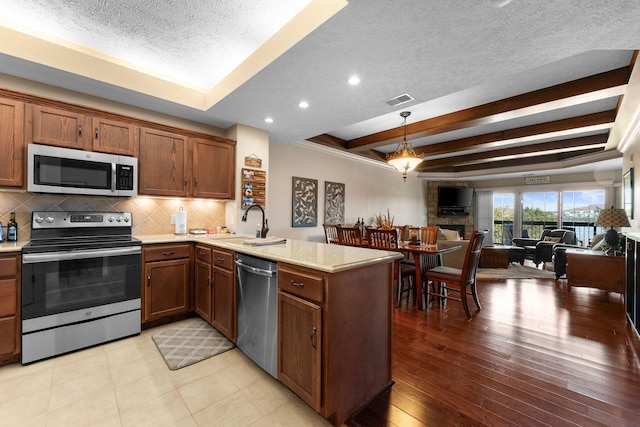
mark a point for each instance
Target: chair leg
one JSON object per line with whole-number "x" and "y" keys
{"x": 463, "y": 297}
{"x": 474, "y": 293}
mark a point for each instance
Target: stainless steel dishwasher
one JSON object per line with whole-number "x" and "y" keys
{"x": 257, "y": 304}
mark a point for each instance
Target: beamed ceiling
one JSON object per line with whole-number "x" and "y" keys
{"x": 575, "y": 138}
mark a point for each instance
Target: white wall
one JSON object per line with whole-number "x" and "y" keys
{"x": 249, "y": 141}
{"x": 369, "y": 189}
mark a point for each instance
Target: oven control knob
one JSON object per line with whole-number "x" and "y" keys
{"x": 49, "y": 219}
{"x": 39, "y": 219}
{"x": 126, "y": 219}
{"x": 111, "y": 219}
{"x": 119, "y": 219}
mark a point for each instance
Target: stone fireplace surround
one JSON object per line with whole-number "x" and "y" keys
{"x": 464, "y": 223}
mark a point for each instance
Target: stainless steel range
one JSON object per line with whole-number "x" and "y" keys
{"x": 81, "y": 282}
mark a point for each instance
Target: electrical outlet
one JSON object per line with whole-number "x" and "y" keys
{"x": 173, "y": 219}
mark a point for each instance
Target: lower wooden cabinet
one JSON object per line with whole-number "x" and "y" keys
{"x": 9, "y": 308}
{"x": 202, "y": 282}
{"x": 215, "y": 288}
{"x": 300, "y": 337}
{"x": 334, "y": 336}
{"x": 166, "y": 281}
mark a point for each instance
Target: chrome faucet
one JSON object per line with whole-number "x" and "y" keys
{"x": 265, "y": 226}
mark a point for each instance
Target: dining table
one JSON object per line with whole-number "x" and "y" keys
{"x": 426, "y": 256}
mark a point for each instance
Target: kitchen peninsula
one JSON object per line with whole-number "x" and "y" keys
{"x": 335, "y": 315}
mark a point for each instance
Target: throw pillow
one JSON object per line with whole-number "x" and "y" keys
{"x": 450, "y": 234}
{"x": 440, "y": 235}
{"x": 552, "y": 239}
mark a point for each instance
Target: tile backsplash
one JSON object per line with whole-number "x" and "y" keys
{"x": 151, "y": 215}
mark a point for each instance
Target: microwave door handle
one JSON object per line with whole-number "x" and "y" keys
{"x": 114, "y": 185}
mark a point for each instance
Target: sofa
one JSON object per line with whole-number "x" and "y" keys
{"x": 448, "y": 238}
{"x": 541, "y": 250}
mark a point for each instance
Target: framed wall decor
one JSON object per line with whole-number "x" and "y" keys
{"x": 254, "y": 183}
{"x": 334, "y": 202}
{"x": 627, "y": 181}
{"x": 304, "y": 201}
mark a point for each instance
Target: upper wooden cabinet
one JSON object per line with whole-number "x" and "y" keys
{"x": 213, "y": 169}
{"x": 114, "y": 137}
{"x": 163, "y": 163}
{"x": 62, "y": 128}
{"x": 168, "y": 167}
{"x": 12, "y": 140}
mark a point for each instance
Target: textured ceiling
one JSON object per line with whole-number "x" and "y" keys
{"x": 197, "y": 42}
{"x": 449, "y": 55}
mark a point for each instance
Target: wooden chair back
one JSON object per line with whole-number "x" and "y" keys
{"x": 349, "y": 236}
{"x": 472, "y": 257}
{"x": 383, "y": 239}
{"x": 331, "y": 233}
{"x": 428, "y": 235}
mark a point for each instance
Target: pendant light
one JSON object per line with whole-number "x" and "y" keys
{"x": 404, "y": 159}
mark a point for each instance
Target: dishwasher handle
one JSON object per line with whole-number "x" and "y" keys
{"x": 259, "y": 271}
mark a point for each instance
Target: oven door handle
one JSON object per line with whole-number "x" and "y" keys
{"x": 80, "y": 254}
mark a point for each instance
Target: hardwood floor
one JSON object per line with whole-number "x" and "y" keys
{"x": 534, "y": 355}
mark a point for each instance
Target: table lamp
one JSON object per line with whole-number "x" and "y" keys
{"x": 612, "y": 218}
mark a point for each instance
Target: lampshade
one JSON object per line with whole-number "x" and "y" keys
{"x": 612, "y": 218}
{"x": 404, "y": 159}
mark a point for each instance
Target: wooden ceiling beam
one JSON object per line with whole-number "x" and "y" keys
{"x": 329, "y": 141}
{"x": 521, "y": 161}
{"x": 588, "y": 89}
{"x": 572, "y": 144}
{"x": 566, "y": 127}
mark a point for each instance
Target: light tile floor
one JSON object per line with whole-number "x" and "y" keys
{"x": 126, "y": 383}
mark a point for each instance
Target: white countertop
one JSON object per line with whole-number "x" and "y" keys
{"x": 12, "y": 246}
{"x": 319, "y": 256}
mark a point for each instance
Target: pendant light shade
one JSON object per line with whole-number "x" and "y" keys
{"x": 404, "y": 159}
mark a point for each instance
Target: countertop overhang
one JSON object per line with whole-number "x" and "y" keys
{"x": 314, "y": 255}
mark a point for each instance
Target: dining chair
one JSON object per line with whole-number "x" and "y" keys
{"x": 429, "y": 235}
{"x": 349, "y": 236}
{"x": 440, "y": 280}
{"x": 331, "y": 233}
{"x": 388, "y": 240}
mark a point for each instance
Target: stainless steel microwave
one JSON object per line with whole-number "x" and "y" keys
{"x": 67, "y": 171}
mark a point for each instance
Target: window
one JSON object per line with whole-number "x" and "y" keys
{"x": 503, "y": 214}
{"x": 580, "y": 211}
{"x": 539, "y": 211}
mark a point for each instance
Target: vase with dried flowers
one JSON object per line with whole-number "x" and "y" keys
{"x": 384, "y": 222}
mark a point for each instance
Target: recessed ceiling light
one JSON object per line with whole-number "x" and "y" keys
{"x": 354, "y": 80}
{"x": 268, "y": 120}
{"x": 303, "y": 104}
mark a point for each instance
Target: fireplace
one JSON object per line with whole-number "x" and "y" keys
{"x": 457, "y": 227}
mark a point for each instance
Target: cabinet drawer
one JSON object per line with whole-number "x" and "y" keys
{"x": 303, "y": 284}
{"x": 203, "y": 253}
{"x": 163, "y": 252}
{"x": 9, "y": 266}
{"x": 223, "y": 259}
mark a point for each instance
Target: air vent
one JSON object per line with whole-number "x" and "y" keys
{"x": 400, "y": 99}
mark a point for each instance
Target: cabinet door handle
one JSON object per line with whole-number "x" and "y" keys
{"x": 209, "y": 281}
{"x": 148, "y": 280}
{"x": 212, "y": 282}
{"x": 167, "y": 253}
{"x": 195, "y": 182}
{"x": 79, "y": 130}
{"x": 297, "y": 284}
{"x": 220, "y": 259}
{"x": 186, "y": 181}
{"x": 96, "y": 133}
{"x": 314, "y": 332}
{"x": 201, "y": 253}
